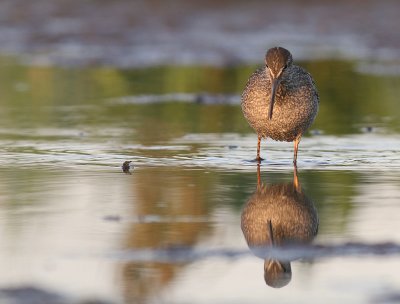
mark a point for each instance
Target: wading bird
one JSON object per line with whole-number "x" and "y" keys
{"x": 280, "y": 100}
{"x": 278, "y": 215}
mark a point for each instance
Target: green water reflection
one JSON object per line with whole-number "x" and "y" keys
{"x": 49, "y": 96}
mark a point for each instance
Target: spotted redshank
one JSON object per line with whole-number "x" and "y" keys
{"x": 280, "y": 100}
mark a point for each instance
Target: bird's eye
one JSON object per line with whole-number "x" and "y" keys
{"x": 285, "y": 67}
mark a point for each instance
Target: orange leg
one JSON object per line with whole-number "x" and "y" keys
{"x": 258, "y": 158}
{"x": 296, "y": 148}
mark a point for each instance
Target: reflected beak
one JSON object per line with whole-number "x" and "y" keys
{"x": 268, "y": 264}
{"x": 275, "y": 84}
{"x": 277, "y": 266}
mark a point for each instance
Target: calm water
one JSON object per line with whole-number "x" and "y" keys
{"x": 73, "y": 224}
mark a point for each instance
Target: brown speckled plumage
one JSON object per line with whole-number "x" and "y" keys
{"x": 284, "y": 211}
{"x": 292, "y": 214}
{"x": 296, "y": 99}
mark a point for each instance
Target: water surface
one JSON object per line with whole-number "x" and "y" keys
{"x": 72, "y": 223}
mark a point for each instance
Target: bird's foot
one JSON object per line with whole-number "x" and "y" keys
{"x": 258, "y": 159}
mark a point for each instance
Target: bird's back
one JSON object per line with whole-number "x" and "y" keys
{"x": 296, "y": 104}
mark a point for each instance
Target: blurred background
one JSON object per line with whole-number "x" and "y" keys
{"x": 87, "y": 85}
{"x": 144, "y": 33}
{"x": 110, "y": 49}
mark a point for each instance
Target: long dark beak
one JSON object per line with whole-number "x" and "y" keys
{"x": 275, "y": 84}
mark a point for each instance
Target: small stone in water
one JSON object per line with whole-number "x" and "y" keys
{"x": 368, "y": 129}
{"x": 126, "y": 167}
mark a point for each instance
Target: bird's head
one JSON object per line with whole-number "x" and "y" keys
{"x": 277, "y": 273}
{"x": 277, "y": 60}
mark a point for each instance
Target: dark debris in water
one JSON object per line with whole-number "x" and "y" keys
{"x": 367, "y": 129}
{"x": 112, "y": 218}
{"x": 35, "y": 295}
{"x": 126, "y": 167}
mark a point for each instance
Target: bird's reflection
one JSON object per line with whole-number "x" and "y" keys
{"x": 278, "y": 215}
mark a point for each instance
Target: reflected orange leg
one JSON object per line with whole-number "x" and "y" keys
{"x": 296, "y": 179}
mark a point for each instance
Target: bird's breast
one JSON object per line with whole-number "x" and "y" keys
{"x": 294, "y": 109}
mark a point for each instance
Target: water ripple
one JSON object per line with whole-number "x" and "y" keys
{"x": 200, "y": 98}
{"x": 290, "y": 253}
{"x": 362, "y": 152}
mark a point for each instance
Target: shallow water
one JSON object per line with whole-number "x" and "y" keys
{"x": 74, "y": 224}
